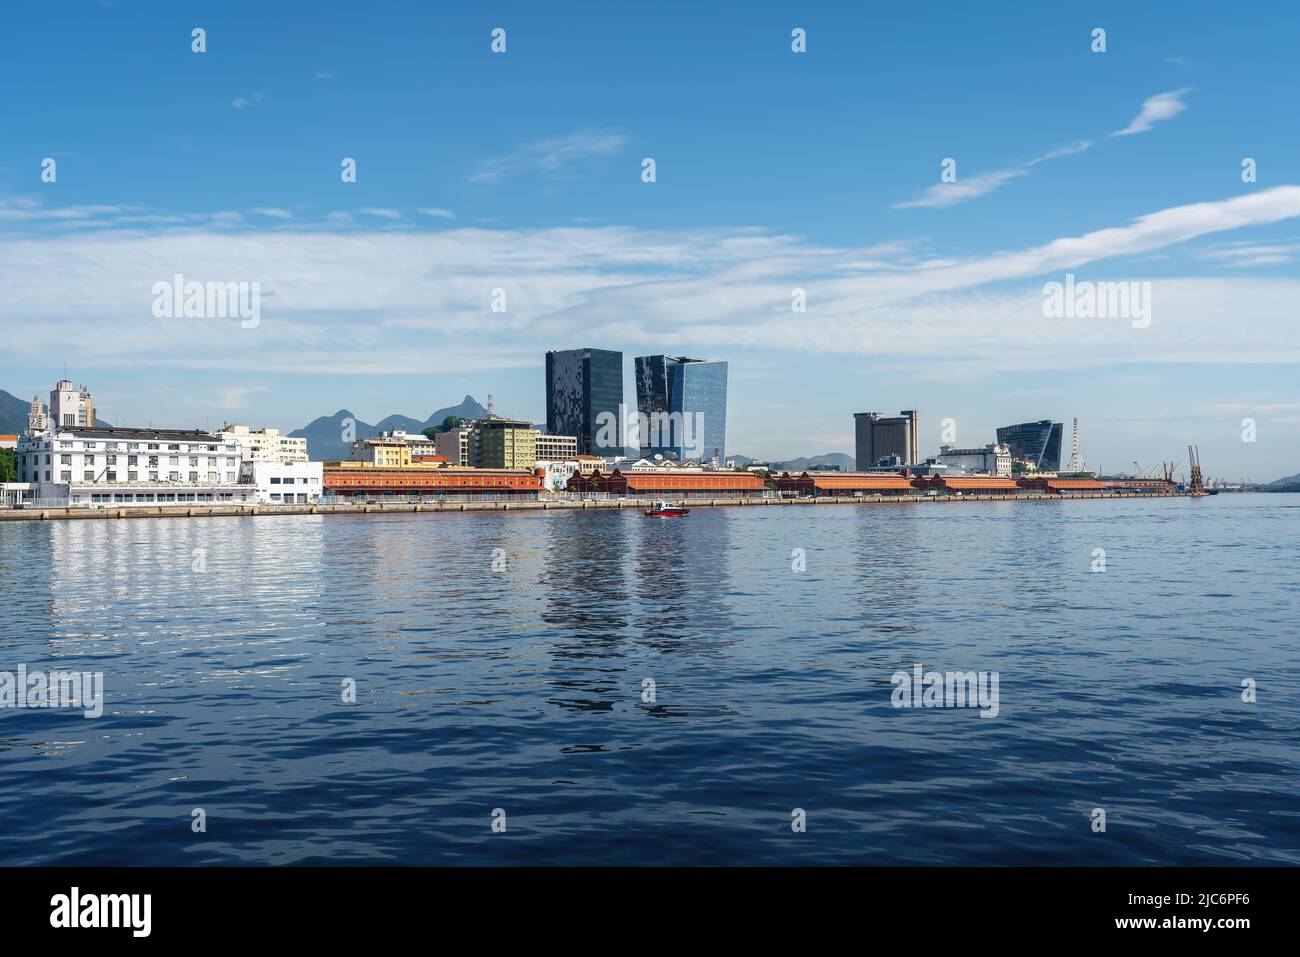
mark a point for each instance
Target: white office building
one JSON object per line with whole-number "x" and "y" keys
{"x": 127, "y": 466}
{"x": 992, "y": 459}
{"x": 284, "y": 483}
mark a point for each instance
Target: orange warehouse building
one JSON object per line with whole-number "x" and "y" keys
{"x": 965, "y": 484}
{"x": 669, "y": 483}
{"x": 346, "y": 479}
{"x": 843, "y": 483}
{"x": 1061, "y": 486}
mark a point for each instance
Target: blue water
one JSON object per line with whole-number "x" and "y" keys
{"x": 521, "y": 688}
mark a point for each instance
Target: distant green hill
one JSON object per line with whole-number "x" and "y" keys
{"x": 13, "y": 413}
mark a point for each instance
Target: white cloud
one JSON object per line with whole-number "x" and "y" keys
{"x": 550, "y": 156}
{"x": 273, "y": 212}
{"x": 439, "y": 213}
{"x": 382, "y": 213}
{"x": 243, "y": 102}
{"x": 375, "y": 301}
{"x": 1249, "y": 255}
{"x": 949, "y": 194}
{"x": 1156, "y": 109}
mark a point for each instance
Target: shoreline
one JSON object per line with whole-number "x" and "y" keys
{"x": 360, "y": 508}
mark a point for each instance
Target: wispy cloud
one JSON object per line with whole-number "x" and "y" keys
{"x": 381, "y": 212}
{"x": 333, "y": 301}
{"x": 1156, "y": 109}
{"x": 949, "y": 194}
{"x": 243, "y": 102}
{"x": 438, "y": 212}
{"x": 550, "y": 156}
{"x": 1245, "y": 255}
{"x": 273, "y": 212}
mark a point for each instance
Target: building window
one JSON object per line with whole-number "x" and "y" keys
{"x": 132, "y": 476}
{"x": 88, "y": 476}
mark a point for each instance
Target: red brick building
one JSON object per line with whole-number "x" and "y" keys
{"x": 965, "y": 485}
{"x": 1061, "y": 486}
{"x": 669, "y": 483}
{"x": 818, "y": 484}
{"x": 346, "y": 479}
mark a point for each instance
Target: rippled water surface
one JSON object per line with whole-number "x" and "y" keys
{"x": 522, "y": 688}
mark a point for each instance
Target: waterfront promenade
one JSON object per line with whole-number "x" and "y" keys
{"x": 356, "y": 508}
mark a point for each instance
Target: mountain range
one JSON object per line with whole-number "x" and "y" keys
{"x": 843, "y": 462}
{"x": 324, "y": 435}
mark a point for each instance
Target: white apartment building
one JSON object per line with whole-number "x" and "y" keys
{"x": 266, "y": 445}
{"x": 126, "y": 466}
{"x": 992, "y": 459}
{"x": 283, "y": 483}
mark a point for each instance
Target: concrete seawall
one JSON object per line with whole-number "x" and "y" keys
{"x": 217, "y": 511}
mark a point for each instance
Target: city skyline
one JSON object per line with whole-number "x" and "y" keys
{"x": 377, "y": 295}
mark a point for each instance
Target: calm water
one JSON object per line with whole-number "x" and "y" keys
{"x": 521, "y": 689}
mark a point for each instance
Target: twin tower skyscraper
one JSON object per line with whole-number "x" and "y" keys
{"x": 681, "y": 404}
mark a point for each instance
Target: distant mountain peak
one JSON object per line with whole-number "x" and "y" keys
{"x": 325, "y": 437}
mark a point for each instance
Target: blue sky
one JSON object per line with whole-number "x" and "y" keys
{"x": 775, "y": 170}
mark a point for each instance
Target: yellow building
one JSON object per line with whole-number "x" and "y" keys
{"x": 504, "y": 444}
{"x": 382, "y": 452}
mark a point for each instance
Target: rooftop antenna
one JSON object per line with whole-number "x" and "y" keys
{"x": 489, "y": 405}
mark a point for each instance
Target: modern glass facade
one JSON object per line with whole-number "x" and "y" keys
{"x": 1036, "y": 442}
{"x": 581, "y": 384}
{"x": 683, "y": 403}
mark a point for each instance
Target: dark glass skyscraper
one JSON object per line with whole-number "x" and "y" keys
{"x": 683, "y": 402}
{"x": 1036, "y": 442}
{"x": 580, "y": 385}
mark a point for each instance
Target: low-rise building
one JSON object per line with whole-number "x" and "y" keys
{"x": 1060, "y": 486}
{"x": 817, "y": 484}
{"x": 350, "y": 479}
{"x": 965, "y": 485}
{"x": 8, "y": 441}
{"x": 101, "y": 465}
{"x": 675, "y": 483}
{"x": 277, "y": 483}
{"x": 265, "y": 445}
{"x": 992, "y": 459}
{"x": 384, "y": 451}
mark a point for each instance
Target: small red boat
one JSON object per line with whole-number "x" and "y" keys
{"x": 664, "y": 510}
